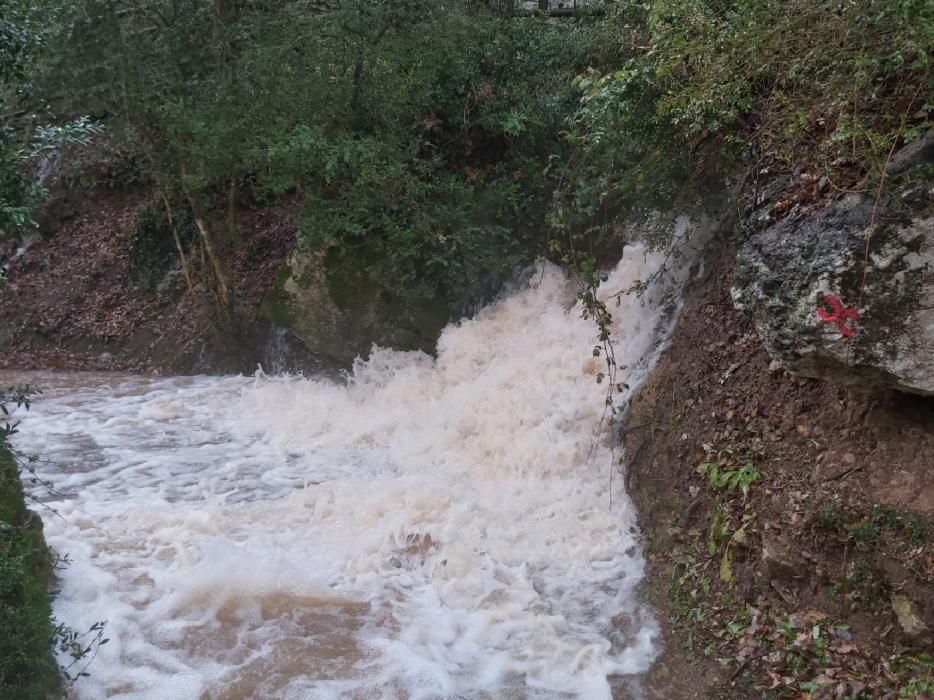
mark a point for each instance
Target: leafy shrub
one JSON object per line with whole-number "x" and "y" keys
{"x": 729, "y": 477}
{"x": 430, "y": 170}
{"x": 418, "y": 132}
{"x": 114, "y": 163}
{"x": 809, "y": 82}
{"x": 27, "y": 669}
{"x": 829, "y": 86}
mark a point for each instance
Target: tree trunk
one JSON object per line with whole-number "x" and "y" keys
{"x": 182, "y": 258}
{"x": 233, "y": 231}
{"x": 220, "y": 277}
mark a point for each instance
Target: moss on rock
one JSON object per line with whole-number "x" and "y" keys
{"x": 27, "y": 668}
{"x": 332, "y": 307}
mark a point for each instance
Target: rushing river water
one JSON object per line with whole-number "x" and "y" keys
{"x": 428, "y": 529}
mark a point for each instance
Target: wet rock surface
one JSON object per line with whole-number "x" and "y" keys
{"x": 846, "y": 292}
{"x": 335, "y": 311}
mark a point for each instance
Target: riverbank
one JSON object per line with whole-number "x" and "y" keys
{"x": 27, "y": 669}
{"x": 382, "y": 514}
{"x": 75, "y": 300}
{"x": 787, "y": 521}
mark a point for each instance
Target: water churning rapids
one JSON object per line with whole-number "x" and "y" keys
{"x": 432, "y": 528}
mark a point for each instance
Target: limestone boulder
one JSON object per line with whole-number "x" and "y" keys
{"x": 846, "y": 292}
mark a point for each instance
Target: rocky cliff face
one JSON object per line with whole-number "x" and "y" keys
{"x": 335, "y": 312}
{"x": 846, "y": 292}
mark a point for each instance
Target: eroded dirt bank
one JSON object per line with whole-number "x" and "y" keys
{"x": 72, "y": 302}
{"x": 818, "y": 582}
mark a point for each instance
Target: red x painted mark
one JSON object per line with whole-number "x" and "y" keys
{"x": 840, "y": 315}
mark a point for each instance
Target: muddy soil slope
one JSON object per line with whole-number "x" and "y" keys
{"x": 71, "y": 301}
{"x": 788, "y": 522}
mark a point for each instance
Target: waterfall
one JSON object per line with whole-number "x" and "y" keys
{"x": 431, "y": 527}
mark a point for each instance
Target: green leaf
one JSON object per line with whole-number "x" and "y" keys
{"x": 726, "y": 567}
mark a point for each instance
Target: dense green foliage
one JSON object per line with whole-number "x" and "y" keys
{"x": 24, "y": 140}
{"x": 17, "y": 39}
{"x": 702, "y": 89}
{"x": 829, "y": 87}
{"x": 419, "y": 132}
{"x": 439, "y": 144}
{"x": 27, "y": 669}
{"x": 27, "y": 632}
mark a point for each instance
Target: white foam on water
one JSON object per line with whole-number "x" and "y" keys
{"x": 431, "y": 528}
